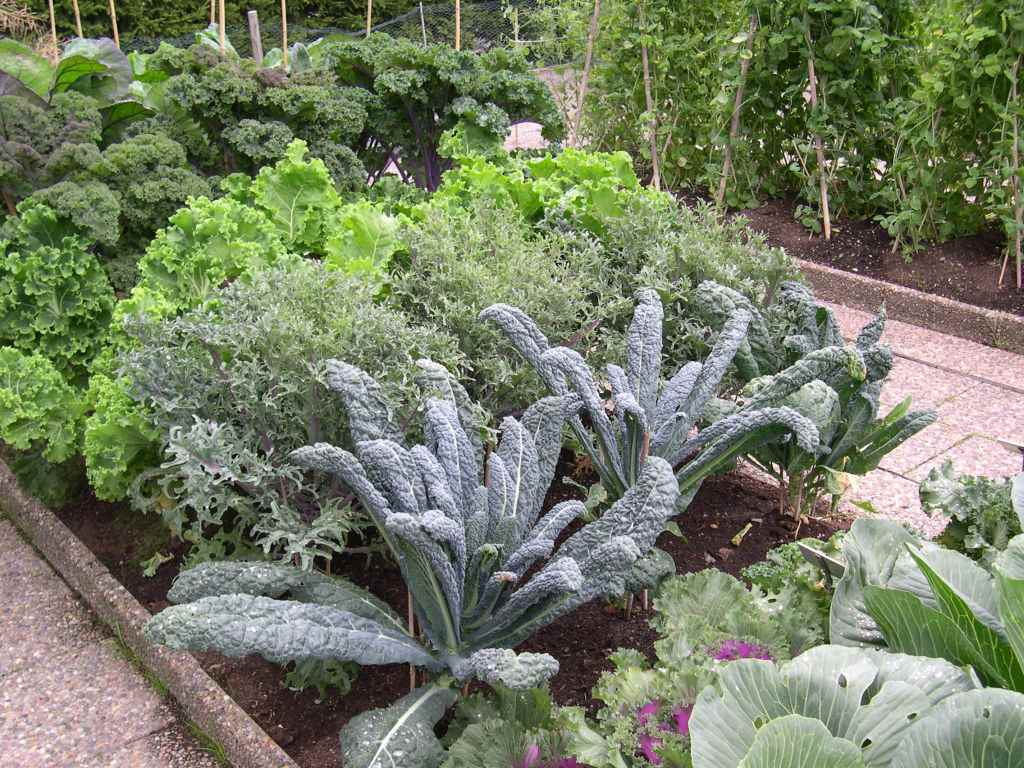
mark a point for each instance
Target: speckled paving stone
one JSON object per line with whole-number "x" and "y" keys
{"x": 893, "y": 497}
{"x": 77, "y": 704}
{"x": 170, "y": 747}
{"x": 986, "y": 410}
{"x": 921, "y": 449}
{"x": 974, "y": 456}
{"x": 39, "y": 616}
{"x": 928, "y": 387}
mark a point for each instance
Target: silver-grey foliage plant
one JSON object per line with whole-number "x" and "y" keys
{"x": 464, "y": 531}
{"x": 652, "y": 420}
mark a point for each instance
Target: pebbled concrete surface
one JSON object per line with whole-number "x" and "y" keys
{"x": 978, "y": 392}
{"x": 68, "y": 697}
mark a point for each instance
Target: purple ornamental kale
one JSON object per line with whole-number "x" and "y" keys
{"x": 649, "y": 744}
{"x": 730, "y": 650}
{"x": 532, "y": 760}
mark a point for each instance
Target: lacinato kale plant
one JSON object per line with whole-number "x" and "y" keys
{"x": 470, "y": 534}
{"x": 795, "y": 356}
{"x": 652, "y": 419}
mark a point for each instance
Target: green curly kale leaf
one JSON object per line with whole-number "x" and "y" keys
{"x": 54, "y": 296}
{"x": 206, "y": 245}
{"x": 37, "y": 406}
{"x": 120, "y": 441}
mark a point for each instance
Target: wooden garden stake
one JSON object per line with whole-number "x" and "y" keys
{"x": 113, "y": 23}
{"x": 585, "y": 80}
{"x": 53, "y": 28}
{"x": 369, "y": 16}
{"x": 255, "y": 38}
{"x": 458, "y": 25}
{"x": 423, "y": 25}
{"x": 284, "y": 34}
{"x": 649, "y": 99}
{"x": 78, "y": 18}
{"x": 213, "y": 11}
{"x": 734, "y": 124}
{"x": 221, "y": 32}
{"x": 819, "y": 148}
{"x": 1018, "y": 198}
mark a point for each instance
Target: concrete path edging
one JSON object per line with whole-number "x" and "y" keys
{"x": 245, "y": 743}
{"x": 985, "y": 326}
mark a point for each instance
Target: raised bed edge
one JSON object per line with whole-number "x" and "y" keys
{"x": 206, "y": 704}
{"x": 984, "y": 326}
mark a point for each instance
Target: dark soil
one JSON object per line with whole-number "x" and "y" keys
{"x": 965, "y": 269}
{"x": 308, "y": 728}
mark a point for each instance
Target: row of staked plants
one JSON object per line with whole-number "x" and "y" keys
{"x": 913, "y": 118}
{"x": 294, "y": 365}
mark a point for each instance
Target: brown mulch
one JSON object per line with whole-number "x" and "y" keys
{"x": 965, "y": 269}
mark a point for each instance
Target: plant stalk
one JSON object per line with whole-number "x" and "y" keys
{"x": 734, "y": 125}
{"x": 819, "y": 148}
{"x": 585, "y": 80}
{"x": 649, "y": 100}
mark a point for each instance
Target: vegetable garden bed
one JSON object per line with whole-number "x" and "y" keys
{"x": 962, "y": 269}
{"x": 306, "y": 725}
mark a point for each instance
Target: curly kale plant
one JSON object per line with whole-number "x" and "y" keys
{"x": 233, "y": 116}
{"x": 206, "y": 245}
{"x": 652, "y": 420}
{"x": 54, "y": 296}
{"x": 465, "y": 532}
{"x": 982, "y": 519}
{"x": 38, "y": 408}
{"x": 794, "y": 356}
{"x": 415, "y": 93}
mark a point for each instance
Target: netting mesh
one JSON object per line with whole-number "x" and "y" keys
{"x": 484, "y": 25}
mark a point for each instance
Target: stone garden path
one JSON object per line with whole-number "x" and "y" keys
{"x": 69, "y": 698}
{"x": 978, "y": 392}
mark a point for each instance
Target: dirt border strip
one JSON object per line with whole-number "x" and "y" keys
{"x": 204, "y": 702}
{"x": 985, "y": 326}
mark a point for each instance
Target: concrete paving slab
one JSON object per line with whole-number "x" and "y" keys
{"x": 893, "y": 497}
{"x": 986, "y": 410}
{"x": 85, "y": 701}
{"x": 928, "y": 387}
{"x": 170, "y": 747}
{"x": 922, "y": 448}
{"x": 39, "y": 615}
{"x": 974, "y": 456}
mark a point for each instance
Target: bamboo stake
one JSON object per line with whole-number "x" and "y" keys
{"x": 369, "y": 16}
{"x": 284, "y": 34}
{"x": 412, "y": 632}
{"x": 819, "y": 148}
{"x": 255, "y": 38}
{"x": 649, "y": 99}
{"x": 734, "y": 126}
{"x": 213, "y": 11}
{"x": 1018, "y": 198}
{"x": 458, "y": 25}
{"x": 585, "y": 80}
{"x": 78, "y": 18}
{"x": 113, "y": 23}
{"x": 221, "y": 34}
{"x": 423, "y": 25}
{"x": 53, "y": 28}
